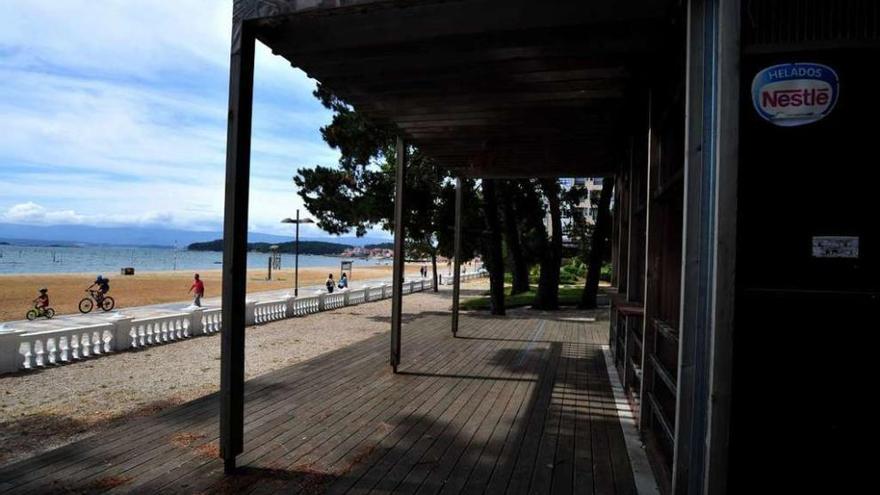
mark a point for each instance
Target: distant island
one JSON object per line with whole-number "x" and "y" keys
{"x": 381, "y": 245}
{"x": 305, "y": 247}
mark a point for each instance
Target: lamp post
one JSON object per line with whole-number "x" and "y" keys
{"x": 296, "y": 221}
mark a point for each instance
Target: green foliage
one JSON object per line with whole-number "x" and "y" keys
{"x": 381, "y": 245}
{"x": 565, "y": 278}
{"x": 605, "y": 273}
{"x": 575, "y": 268}
{"x": 568, "y": 296}
{"x": 534, "y": 274}
{"x": 305, "y": 247}
{"x": 358, "y": 194}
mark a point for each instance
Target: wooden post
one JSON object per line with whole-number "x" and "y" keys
{"x": 708, "y": 257}
{"x": 399, "y": 262}
{"x": 456, "y": 280}
{"x": 238, "y": 150}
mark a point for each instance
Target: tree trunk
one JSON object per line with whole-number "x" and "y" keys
{"x": 548, "y": 284}
{"x": 597, "y": 246}
{"x": 434, "y": 269}
{"x": 494, "y": 254}
{"x": 514, "y": 243}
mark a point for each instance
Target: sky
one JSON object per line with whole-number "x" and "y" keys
{"x": 113, "y": 112}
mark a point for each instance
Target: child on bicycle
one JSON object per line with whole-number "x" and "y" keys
{"x": 42, "y": 301}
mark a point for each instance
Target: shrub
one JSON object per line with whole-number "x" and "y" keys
{"x": 566, "y": 278}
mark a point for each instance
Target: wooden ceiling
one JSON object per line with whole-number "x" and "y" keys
{"x": 494, "y": 88}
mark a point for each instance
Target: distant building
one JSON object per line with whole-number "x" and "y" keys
{"x": 587, "y": 209}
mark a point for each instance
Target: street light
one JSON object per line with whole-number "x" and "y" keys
{"x": 296, "y": 221}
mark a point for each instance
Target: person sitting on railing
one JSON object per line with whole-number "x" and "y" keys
{"x": 330, "y": 284}
{"x": 343, "y": 281}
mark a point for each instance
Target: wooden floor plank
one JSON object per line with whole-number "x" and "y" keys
{"x": 304, "y": 432}
{"x": 476, "y": 463}
{"x": 395, "y": 452}
{"x": 436, "y": 447}
{"x": 483, "y": 413}
{"x": 72, "y": 464}
{"x": 518, "y": 477}
{"x": 402, "y": 424}
{"x": 583, "y": 454}
{"x": 563, "y": 466}
{"x": 546, "y": 460}
{"x": 528, "y": 368}
{"x": 603, "y": 474}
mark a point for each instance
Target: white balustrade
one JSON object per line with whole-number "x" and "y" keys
{"x": 334, "y": 300}
{"x": 28, "y": 350}
{"x": 356, "y": 296}
{"x": 267, "y": 311}
{"x": 48, "y": 347}
{"x": 157, "y": 330}
{"x": 305, "y": 305}
{"x": 377, "y": 292}
{"x": 212, "y": 321}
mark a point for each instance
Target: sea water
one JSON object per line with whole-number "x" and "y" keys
{"x": 108, "y": 260}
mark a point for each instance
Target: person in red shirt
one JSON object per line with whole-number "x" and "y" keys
{"x": 42, "y": 301}
{"x": 198, "y": 290}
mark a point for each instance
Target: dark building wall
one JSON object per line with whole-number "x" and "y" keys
{"x": 806, "y": 327}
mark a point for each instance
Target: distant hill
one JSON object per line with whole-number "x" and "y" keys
{"x": 381, "y": 245}
{"x": 142, "y": 236}
{"x": 305, "y": 247}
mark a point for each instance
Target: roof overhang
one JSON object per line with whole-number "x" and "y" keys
{"x": 491, "y": 88}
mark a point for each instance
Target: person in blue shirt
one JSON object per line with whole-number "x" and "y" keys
{"x": 103, "y": 285}
{"x": 343, "y": 282}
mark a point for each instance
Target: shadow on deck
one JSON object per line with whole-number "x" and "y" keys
{"x": 518, "y": 405}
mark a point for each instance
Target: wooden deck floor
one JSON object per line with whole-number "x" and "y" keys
{"x": 514, "y": 405}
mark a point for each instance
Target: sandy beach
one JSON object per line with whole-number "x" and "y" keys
{"x": 46, "y": 409}
{"x": 65, "y": 290}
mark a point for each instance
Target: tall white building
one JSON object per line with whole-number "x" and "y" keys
{"x": 588, "y": 208}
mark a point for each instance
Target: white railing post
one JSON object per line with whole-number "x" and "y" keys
{"x": 122, "y": 339}
{"x": 346, "y": 297}
{"x": 384, "y": 290}
{"x": 321, "y": 303}
{"x": 412, "y": 286}
{"x": 10, "y": 360}
{"x": 250, "y": 313}
{"x": 289, "y": 303}
{"x": 195, "y": 323}
{"x": 367, "y": 289}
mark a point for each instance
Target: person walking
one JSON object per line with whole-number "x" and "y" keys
{"x": 330, "y": 284}
{"x": 198, "y": 290}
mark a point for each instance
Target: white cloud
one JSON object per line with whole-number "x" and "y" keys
{"x": 115, "y": 111}
{"x": 34, "y": 214}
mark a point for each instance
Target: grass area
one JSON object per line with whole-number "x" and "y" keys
{"x": 568, "y": 296}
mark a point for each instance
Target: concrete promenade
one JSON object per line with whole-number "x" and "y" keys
{"x": 98, "y": 317}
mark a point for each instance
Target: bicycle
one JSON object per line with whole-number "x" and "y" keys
{"x": 87, "y": 304}
{"x": 36, "y": 312}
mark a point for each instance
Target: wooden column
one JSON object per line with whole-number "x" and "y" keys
{"x": 456, "y": 280}
{"x": 238, "y": 150}
{"x": 399, "y": 261}
{"x": 711, "y": 148}
{"x": 646, "y": 296}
